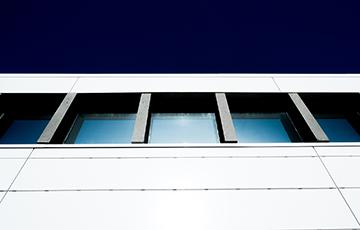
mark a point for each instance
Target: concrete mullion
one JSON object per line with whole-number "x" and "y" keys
{"x": 141, "y": 122}
{"x": 225, "y": 119}
{"x": 310, "y": 120}
{"x": 53, "y": 125}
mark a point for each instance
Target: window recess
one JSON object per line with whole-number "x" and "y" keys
{"x": 23, "y": 117}
{"x": 103, "y": 128}
{"x": 265, "y": 118}
{"x": 264, "y": 127}
{"x": 99, "y": 119}
{"x": 336, "y": 113}
{"x": 184, "y": 118}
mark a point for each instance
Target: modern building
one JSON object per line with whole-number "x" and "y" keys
{"x": 179, "y": 151}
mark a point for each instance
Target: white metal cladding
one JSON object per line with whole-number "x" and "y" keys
{"x": 163, "y": 210}
{"x": 340, "y": 151}
{"x": 172, "y": 173}
{"x": 11, "y": 161}
{"x": 352, "y": 196}
{"x": 233, "y": 187}
{"x": 174, "y": 152}
{"x": 101, "y": 83}
{"x": 91, "y": 85}
{"x": 345, "y": 170}
{"x": 8, "y": 170}
{"x": 15, "y": 153}
{"x": 36, "y": 85}
{"x": 308, "y": 84}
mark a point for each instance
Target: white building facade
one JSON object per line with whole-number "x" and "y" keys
{"x": 310, "y": 182}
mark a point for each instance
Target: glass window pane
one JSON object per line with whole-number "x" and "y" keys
{"x": 183, "y": 128}
{"x": 252, "y": 128}
{"x": 338, "y": 129}
{"x": 23, "y": 131}
{"x": 103, "y": 128}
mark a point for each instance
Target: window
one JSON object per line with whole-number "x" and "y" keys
{"x": 337, "y": 114}
{"x": 338, "y": 128}
{"x": 183, "y": 128}
{"x": 183, "y": 118}
{"x": 264, "y": 118}
{"x": 109, "y": 118}
{"x": 252, "y": 127}
{"x": 102, "y": 128}
{"x": 100, "y": 119}
{"x": 23, "y": 131}
{"x": 23, "y": 117}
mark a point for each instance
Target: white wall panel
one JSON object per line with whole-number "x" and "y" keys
{"x": 36, "y": 85}
{"x": 170, "y": 173}
{"x": 2, "y": 194}
{"x": 11, "y": 161}
{"x": 344, "y": 170}
{"x": 14, "y": 153}
{"x": 210, "y": 210}
{"x": 338, "y": 151}
{"x": 51, "y": 83}
{"x": 157, "y": 84}
{"x": 8, "y": 170}
{"x": 317, "y": 84}
{"x": 352, "y": 196}
{"x": 174, "y": 152}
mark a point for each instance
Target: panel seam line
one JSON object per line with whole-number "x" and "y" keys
{"x": 342, "y": 195}
{"x": 16, "y": 176}
{"x": 73, "y": 86}
{"x": 277, "y": 86}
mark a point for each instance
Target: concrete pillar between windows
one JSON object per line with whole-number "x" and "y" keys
{"x": 310, "y": 120}
{"x": 48, "y": 134}
{"x": 141, "y": 122}
{"x": 226, "y": 121}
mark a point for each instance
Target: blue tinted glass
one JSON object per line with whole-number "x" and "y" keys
{"x": 338, "y": 129}
{"x": 260, "y": 129}
{"x": 183, "y": 128}
{"x": 23, "y": 132}
{"x": 105, "y": 128}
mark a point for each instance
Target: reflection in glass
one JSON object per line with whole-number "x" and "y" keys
{"x": 338, "y": 129}
{"x": 23, "y": 131}
{"x": 183, "y": 128}
{"x": 253, "y": 128}
{"x": 102, "y": 128}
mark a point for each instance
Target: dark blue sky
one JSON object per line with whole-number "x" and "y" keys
{"x": 179, "y": 36}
